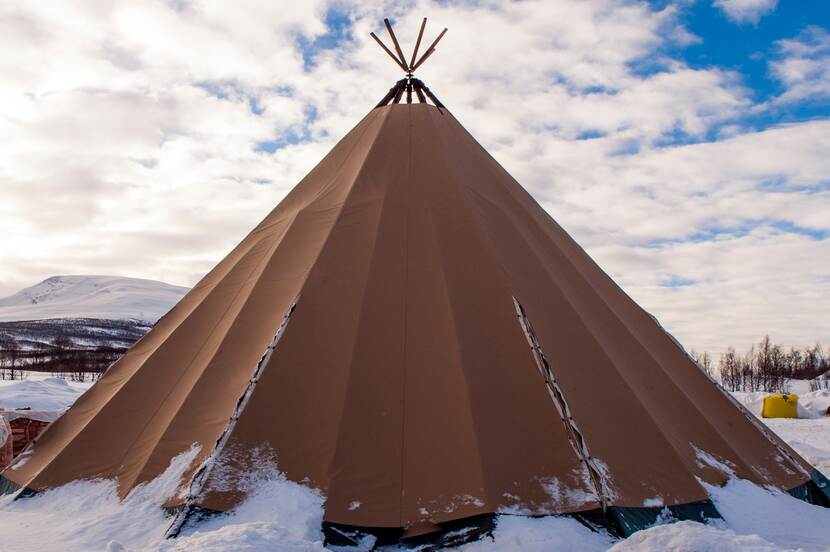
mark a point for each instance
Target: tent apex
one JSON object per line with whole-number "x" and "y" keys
{"x": 409, "y": 83}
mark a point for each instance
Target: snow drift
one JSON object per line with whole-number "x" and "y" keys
{"x": 285, "y": 516}
{"x": 44, "y": 394}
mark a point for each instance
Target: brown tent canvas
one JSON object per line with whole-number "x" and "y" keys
{"x": 409, "y": 332}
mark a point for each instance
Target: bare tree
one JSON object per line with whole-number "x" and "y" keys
{"x": 13, "y": 355}
{"x": 79, "y": 361}
{"x": 39, "y": 356}
{"x": 61, "y": 349}
{"x": 730, "y": 370}
{"x": 704, "y": 362}
{"x": 770, "y": 370}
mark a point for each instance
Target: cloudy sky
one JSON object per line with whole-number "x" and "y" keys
{"x": 685, "y": 145}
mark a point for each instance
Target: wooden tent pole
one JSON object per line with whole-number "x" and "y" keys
{"x": 417, "y": 43}
{"x": 409, "y": 84}
{"x": 432, "y": 97}
{"x": 388, "y": 51}
{"x": 429, "y": 50}
{"x": 395, "y": 42}
{"x": 391, "y": 94}
{"x": 417, "y": 84}
{"x": 399, "y": 93}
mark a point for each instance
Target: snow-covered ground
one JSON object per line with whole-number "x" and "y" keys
{"x": 810, "y": 434}
{"x": 100, "y": 297}
{"x": 285, "y": 516}
{"x": 41, "y": 392}
{"x": 810, "y": 438}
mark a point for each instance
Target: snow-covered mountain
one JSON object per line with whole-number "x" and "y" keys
{"x": 96, "y": 297}
{"x": 94, "y": 312}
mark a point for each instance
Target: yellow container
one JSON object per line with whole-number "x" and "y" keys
{"x": 780, "y": 405}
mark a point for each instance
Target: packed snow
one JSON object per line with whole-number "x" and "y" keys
{"x": 283, "y": 516}
{"x": 87, "y": 515}
{"x": 101, "y": 297}
{"x": 809, "y": 438}
{"x": 41, "y": 392}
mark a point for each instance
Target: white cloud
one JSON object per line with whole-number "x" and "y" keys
{"x": 742, "y": 221}
{"x": 804, "y": 66}
{"x": 136, "y": 130}
{"x": 746, "y": 11}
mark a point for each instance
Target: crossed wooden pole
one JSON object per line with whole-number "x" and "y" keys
{"x": 409, "y": 83}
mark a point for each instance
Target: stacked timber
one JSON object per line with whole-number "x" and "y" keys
{"x": 18, "y": 428}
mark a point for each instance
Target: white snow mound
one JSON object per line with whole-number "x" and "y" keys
{"x": 46, "y": 394}
{"x": 690, "y": 536}
{"x": 284, "y": 516}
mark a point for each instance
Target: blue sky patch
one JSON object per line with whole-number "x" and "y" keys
{"x": 748, "y": 49}
{"x": 675, "y": 281}
{"x": 293, "y": 136}
{"x": 790, "y": 228}
{"x": 338, "y": 31}
{"x": 590, "y": 134}
{"x": 737, "y": 231}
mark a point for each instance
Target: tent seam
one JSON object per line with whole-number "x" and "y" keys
{"x": 405, "y": 316}
{"x": 360, "y": 314}
{"x": 489, "y": 253}
{"x": 257, "y": 278}
{"x": 376, "y": 113}
{"x": 301, "y": 287}
{"x": 259, "y": 267}
{"x": 568, "y": 301}
{"x": 575, "y": 435}
{"x": 336, "y": 173}
{"x": 127, "y": 381}
{"x": 460, "y": 357}
{"x": 668, "y": 374}
{"x": 201, "y": 475}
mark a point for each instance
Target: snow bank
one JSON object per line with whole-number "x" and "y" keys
{"x": 689, "y": 536}
{"x": 87, "y": 515}
{"x": 540, "y": 535}
{"x": 754, "y": 519}
{"x": 49, "y": 394}
{"x": 811, "y": 404}
{"x": 279, "y": 516}
{"x": 754, "y": 402}
{"x": 284, "y": 516}
{"x": 252, "y": 536}
{"x": 809, "y": 438}
{"x": 776, "y": 517}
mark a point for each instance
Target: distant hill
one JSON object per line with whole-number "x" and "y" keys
{"x": 93, "y": 297}
{"x": 93, "y": 311}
